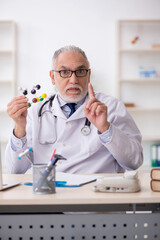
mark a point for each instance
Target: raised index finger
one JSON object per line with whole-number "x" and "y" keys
{"x": 90, "y": 90}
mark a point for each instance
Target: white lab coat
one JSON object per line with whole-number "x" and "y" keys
{"x": 84, "y": 154}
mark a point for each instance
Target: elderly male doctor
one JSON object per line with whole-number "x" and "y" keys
{"x": 110, "y": 144}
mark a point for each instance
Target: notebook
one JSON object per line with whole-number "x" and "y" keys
{"x": 6, "y": 185}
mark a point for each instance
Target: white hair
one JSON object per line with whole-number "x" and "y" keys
{"x": 69, "y": 48}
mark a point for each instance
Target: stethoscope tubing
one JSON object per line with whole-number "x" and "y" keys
{"x": 85, "y": 130}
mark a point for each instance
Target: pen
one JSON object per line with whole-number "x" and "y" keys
{"x": 53, "y": 154}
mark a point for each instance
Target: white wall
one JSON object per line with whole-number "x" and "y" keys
{"x": 45, "y": 25}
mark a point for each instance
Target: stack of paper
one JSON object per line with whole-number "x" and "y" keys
{"x": 73, "y": 180}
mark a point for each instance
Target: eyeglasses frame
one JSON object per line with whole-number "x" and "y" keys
{"x": 59, "y": 71}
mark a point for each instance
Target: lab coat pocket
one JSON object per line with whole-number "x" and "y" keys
{"x": 47, "y": 129}
{"x": 92, "y": 142}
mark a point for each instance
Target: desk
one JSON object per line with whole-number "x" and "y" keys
{"x": 24, "y": 215}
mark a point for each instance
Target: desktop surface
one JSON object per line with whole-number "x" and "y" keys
{"x": 23, "y": 194}
{"x": 33, "y": 216}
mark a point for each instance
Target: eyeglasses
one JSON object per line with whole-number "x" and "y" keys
{"x": 68, "y": 73}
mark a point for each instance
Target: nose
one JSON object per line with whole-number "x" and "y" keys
{"x": 73, "y": 79}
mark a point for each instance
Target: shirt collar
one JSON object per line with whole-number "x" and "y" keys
{"x": 78, "y": 104}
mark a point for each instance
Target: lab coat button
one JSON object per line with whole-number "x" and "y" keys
{"x": 19, "y": 144}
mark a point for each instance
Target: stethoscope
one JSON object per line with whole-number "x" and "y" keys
{"x": 85, "y": 129}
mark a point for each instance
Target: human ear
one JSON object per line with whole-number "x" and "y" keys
{"x": 89, "y": 73}
{"x": 51, "y": 73}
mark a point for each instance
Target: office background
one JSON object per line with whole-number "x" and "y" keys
{"x": 45, "y": 25}
{"x": 42, "y": 26}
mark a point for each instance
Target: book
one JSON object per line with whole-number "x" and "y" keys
{"x": 129, "y": 104}
{"x": 155, "y": 155}
{"x": 155, "y": 185}
{"x": 158, "y": 154}
{"x": 155, "y": 179}
{"x": 155, "y": 173}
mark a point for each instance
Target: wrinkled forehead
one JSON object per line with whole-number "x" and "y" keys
{"x": 70, "y": 60}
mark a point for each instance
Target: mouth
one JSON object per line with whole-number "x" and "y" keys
{"x": 73, "y": 90}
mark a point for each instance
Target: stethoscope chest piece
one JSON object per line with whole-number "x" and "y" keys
{"x": 86, "y": 130}
{"x": 43, "y": 134}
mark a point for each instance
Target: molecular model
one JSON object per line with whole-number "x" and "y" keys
{"x": 33, "y": 92}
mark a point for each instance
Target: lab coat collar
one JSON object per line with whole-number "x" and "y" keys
{"x": 56, "y": 109}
